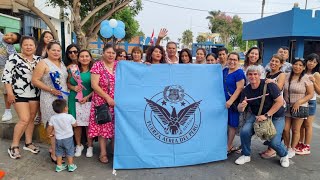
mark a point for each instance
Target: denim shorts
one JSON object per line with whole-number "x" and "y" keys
{"x": 312, "y": 107}
{"x": 65, "y": 145}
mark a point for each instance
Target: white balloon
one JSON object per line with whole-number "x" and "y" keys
{"x": 113, "y": 23}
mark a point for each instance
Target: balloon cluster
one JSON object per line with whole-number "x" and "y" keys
{"x": 112, "y": 28}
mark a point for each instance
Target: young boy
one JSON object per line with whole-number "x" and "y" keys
{"x": 62, "y": 124}
{"x": 6, "y": 49}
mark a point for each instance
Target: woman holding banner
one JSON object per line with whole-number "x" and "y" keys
{"x": 234, "y": 80}
{"x": 103, "y": 82}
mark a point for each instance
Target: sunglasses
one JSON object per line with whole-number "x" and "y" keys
{"x": 297, "y": 58}
{"x": 73, "y": 52}
{"x": 122, "y": 56}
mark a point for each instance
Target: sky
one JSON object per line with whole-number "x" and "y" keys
{"x": 176, "y": 20}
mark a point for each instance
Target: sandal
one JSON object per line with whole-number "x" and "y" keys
{"x": 232, "y": 150}
{"x": 267, "y": 155}
{"x": 32, "y": 148}
{"x": 37, "y": 120}
{"x": 13, "y": 153}
{"x": 104, "y": 159}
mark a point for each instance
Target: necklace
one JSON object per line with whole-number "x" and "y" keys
{"x": 110, "y": 68}
{"x": 26, "y": 60}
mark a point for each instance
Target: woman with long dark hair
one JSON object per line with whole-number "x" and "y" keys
{"x": 44, "y": 40}
{"x": 298, "y": 90}
{"x": 155, "y": 55}
{"x": 312, "y": 70}
{"x": 83, "y": 67}
{"x": 253, "y": 57}
{"x": 185, "y": 56}
{"x": 72, "y": 54}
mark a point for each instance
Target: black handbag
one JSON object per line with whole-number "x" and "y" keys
{"x": 102, "y": 112}
{"x": 234, "y": 105}
{"x": 303, "y": 111}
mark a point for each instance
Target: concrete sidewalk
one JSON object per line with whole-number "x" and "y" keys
{"x": 40, "y": 167}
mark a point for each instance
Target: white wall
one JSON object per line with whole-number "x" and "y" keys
{"x": 54, "y": 15}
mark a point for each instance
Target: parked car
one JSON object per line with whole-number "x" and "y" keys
{"x": 96, "y": 53}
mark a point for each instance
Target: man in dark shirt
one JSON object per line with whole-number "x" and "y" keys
{"x": 273, "y": 107}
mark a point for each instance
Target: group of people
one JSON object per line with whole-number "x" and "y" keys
{"x": 65, "y": 94}
{"x": 289, "y": 100}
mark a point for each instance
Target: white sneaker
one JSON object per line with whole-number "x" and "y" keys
{"x": 291, "y": 153}
{"x": 7, "y": 116}
{"x": 89, "y": 152}
{"x": 78, "y": 150}
{"x": 243, "y": 159}
{"x": 284, "y": 161}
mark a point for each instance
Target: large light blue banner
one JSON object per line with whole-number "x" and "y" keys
{"x": 169, "y": 115}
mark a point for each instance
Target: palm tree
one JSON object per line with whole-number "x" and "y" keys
{"x": 167, "y": 38}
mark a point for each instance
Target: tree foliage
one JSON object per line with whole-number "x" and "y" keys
{"x": 187, "y": 38}
{"x": 229, "y": 28}
{"x": 201, "y": 38}
{"x": 88, "y": 14}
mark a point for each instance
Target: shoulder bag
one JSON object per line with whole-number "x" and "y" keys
{"x": 265, "y": 130}
{"x": 102, "y": 112}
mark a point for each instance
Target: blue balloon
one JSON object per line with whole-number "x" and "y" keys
{"x": 104, "y": 23}
{"x": 121, "y": 24}
{"x": 119, "y": 32}
{"x": 106, "y": 31}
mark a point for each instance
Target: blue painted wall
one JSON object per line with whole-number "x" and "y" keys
{"x": 31, "y": 21}
{"x": 280, "y": 29}
{"x": 296, "y": 22}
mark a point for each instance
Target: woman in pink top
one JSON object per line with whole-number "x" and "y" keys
{"x": 298, "y": 90}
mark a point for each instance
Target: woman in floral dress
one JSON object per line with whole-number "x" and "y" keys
{"x": 102, "y": 82}
{"x": 41, "y": 79}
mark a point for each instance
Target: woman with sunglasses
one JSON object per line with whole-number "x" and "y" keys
{"x": 312, "y": 70}
{"x": 121, "y": 54}
{"x": 298, "y": 90}
{"x": 71, "y": 55}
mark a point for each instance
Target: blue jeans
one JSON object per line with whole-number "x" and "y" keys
{"x": 275, "y": 143}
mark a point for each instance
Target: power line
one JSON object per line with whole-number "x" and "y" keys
{"x": 203, "y": 10}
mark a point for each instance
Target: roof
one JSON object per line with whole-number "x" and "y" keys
{"x": 296, "y": 22}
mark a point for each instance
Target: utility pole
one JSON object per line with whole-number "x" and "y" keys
{"x": 305, "y": 7}
{"x": 262, "y": 9}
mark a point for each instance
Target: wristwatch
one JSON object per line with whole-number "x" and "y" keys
{"x": 267, "y": 115}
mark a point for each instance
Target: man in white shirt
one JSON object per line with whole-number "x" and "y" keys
{"x": 171, "y": 48}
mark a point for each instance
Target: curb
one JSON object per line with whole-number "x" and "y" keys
{"x": 39, "y": 133}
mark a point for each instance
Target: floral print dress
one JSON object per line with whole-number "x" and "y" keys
{"x": 103, "y": 130}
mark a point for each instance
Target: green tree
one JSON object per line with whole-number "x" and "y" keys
{"x": 187, "y": 38}
{"x": 88, "y": 14}
{"x": 201, "y": 38}
{"x": 228, "y": 27}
